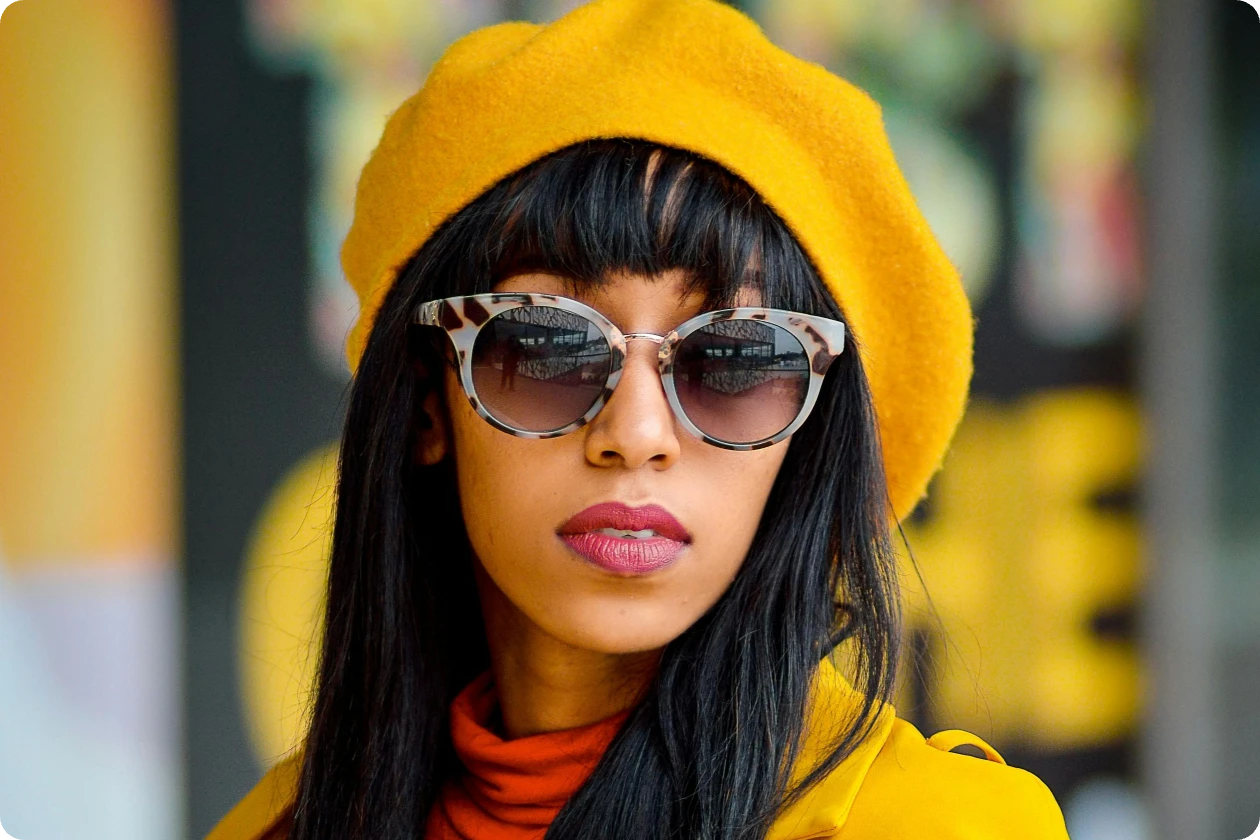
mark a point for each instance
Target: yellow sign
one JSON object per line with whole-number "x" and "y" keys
{"x": 1026, "y": 563}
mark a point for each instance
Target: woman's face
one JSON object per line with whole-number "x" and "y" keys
{"x": 518, "y": 494}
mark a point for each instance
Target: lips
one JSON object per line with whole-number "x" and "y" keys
{"x": 584, "y": 533}
{"x": 623, "y": 518}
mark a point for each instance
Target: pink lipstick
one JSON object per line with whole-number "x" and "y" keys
{"x": 625, "y": 540}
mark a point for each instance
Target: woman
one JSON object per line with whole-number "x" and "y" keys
{"x": 654, "y": 350}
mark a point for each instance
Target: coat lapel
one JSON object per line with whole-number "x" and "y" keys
{"x": 821, "y": 812}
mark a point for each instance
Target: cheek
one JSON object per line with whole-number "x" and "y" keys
{"x": 509, "y": 487}
{"x": 515, "y": 493}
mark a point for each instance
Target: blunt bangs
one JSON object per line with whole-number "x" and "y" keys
{"x": 607, "y": 207}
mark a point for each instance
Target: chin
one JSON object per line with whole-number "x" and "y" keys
{"x": 618, "y": 629}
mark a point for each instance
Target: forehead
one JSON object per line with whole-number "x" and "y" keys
{"x": 668, "y": 291}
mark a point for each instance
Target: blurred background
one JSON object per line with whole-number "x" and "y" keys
{"x": 176, "y": 177}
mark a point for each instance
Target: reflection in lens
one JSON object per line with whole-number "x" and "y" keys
{"x": 538, "y": 368}
{"x": 740, "y": 380}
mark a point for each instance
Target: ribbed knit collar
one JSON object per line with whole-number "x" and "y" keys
{"x": 511, "y": 789}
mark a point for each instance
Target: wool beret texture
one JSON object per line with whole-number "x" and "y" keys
{"x": 700, "y": 76}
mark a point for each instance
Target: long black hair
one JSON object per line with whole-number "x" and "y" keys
{"x": 709, "y": 750}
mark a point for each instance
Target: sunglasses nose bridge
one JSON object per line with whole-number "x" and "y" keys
{"x": 652, "y": 337}
{"x": 658, "y": 340}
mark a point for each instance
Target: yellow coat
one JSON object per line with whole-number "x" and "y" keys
{"x": 896, "y": 786}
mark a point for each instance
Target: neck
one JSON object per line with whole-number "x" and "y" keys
{"x": 545, "y": 684}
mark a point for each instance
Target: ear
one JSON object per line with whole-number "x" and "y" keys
{"x": 432, "y": 440}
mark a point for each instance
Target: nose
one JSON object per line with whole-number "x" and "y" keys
{"x": 636, "y": 426}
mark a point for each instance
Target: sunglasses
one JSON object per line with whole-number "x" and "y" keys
{"x": 540, "y": 366}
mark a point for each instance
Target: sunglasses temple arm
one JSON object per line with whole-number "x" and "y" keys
{"x": 427, "y": 313}
{"x": 836, "y": 335}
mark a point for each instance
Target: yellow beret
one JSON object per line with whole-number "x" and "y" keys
{"x": 700, "y": 76}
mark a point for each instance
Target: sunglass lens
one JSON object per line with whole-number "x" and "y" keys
{"x": 538, "y": 368}
{"x": 740, "y": 380}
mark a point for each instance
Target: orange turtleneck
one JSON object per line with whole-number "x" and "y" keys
{"x": 511, "y": 790}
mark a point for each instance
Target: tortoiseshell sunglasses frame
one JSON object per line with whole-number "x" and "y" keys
{"x": 462, "y": 317}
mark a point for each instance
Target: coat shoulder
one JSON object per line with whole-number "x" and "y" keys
{"x": 265, "y": 813}
{"x": 917, "y": 787}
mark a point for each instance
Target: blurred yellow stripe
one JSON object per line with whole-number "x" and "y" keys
{"x": 87, "y": 318}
